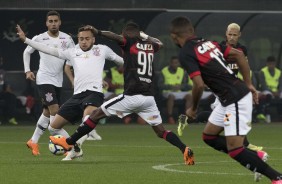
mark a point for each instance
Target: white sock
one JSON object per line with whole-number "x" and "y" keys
{"x": 52, "y": 118}
{"x": 61, "y": 131}
{"x": 41, "y": 126}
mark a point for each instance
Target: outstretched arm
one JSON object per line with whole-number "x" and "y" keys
{"x": 112, "y": 36}
{"x": 38, "y": 46}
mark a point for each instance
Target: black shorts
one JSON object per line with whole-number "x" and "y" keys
{"x": 49, "y": 94}
{"x": 72, "y": 109}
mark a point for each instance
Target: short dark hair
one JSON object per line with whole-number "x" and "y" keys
{"x": 53, "y": 12}
{"x": 132, "y": 25}
{"x": 270, "y": 59}
{"x": 87, "y": 28}
{"x": 181, "y": 25}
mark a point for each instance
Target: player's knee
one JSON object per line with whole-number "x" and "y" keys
{"x": 216, "y": 142}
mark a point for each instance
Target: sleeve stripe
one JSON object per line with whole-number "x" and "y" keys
{"x": 194, "y": 74}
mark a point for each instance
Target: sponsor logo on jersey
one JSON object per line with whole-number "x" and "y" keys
{"x": 145, "y": 79}
{"x": 153, "y": 117}
{"x": 62, "y": 38}
{"x": 49, "y": 97}
{"x": 45, "y": 38}
{"x": 227, "y": 116}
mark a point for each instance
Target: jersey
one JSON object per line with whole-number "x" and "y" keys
{"x": 202, "y": 57}
{"x": 232, "y": 64}
{"x": 138, "y": 58}
{"x": 88, "y": 66}
{"x": 50, "y": 67}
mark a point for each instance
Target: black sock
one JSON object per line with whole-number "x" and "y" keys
{"x": 82, "y": 130}
{"x": 217, "y": 142}
{"x": 174, "y": 140}
{"x": 251, "y": 161}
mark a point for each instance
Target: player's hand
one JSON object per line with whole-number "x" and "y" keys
{"x": 254, "y": 93}
{"x": 143, "y": 35}
{"x": 191, "y": 114}
{"x": 30, "y": 75}
{"x": 20, "y": 33}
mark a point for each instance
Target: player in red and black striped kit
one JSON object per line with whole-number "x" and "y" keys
{"x": 138, "y": 53}
{"x": 205, "y": 64}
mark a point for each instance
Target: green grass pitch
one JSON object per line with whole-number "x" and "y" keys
{"x": 130, "y": 154}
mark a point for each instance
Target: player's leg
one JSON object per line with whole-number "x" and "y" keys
{"x": 150, "y": 113}
{"x": 49, "y": 95}
{"x": 169, "y": 108}
{"x": 41, "y": 126}
{"x": 237, "y": 121}
{"x": 111, "y": 107}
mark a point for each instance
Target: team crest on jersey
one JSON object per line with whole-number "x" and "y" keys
{"x": 49, "y": 97}
{"x": 64, "y": 45}
{"x": 96, "y": 51}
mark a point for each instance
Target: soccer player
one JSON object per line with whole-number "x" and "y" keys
{"x": 49, "y": 78}
{"x": 138, "y": 49}
{"x": 88, "y": 62}
{"x": 205, "y": 64}
{"x": 233, "y": 34}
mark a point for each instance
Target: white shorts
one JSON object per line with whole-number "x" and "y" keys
{"x": 236, "y": 118}
{"x": 177, "y": 95}
{"x": 144, "y": 106}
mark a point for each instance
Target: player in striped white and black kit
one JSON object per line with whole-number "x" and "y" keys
{"x": 138, "y": 53}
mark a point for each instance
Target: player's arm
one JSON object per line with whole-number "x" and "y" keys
{"x": 38, "y": 46}
{"x": 197, "y": 91}
{"x": 26, "y": 60}
{"x": 245, "y": 70}
{"x": 112, "y": 36}
{"x": 68, "y": 72}
{"x": 151, "y": 39}
{"x": 111, "y": 55}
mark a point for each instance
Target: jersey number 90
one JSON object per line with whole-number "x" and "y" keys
{"x": 145, "y": 60}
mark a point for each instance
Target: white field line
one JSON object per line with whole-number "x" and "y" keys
{"x": 165, "y": 167}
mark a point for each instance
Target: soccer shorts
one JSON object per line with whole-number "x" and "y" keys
{"x": 144, "y": 106}
{"x": 235, "y": 118}
{"x": 49, "y": 94}
{"x": 72, "y": 109}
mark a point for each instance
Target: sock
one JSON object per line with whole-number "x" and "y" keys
{"x": 52, "y": 118}
{"x": 174, "y": 140}
{"x": 82, "y": 130}
{"x": 41, "y": 126}
{"x": 246, "y": 142}
{"x": 217, "y": 142}
{"x": 61, "y": 131}
{"x": 83, "y": 138}
{"x": 251, "y": 161}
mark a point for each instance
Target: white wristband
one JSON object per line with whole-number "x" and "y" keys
{"x": 143, "y": 35}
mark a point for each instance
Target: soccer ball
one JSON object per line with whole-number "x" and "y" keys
{"x": 56, "y": 149}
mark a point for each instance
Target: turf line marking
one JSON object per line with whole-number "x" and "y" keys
{"x": 164, "y": 167}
